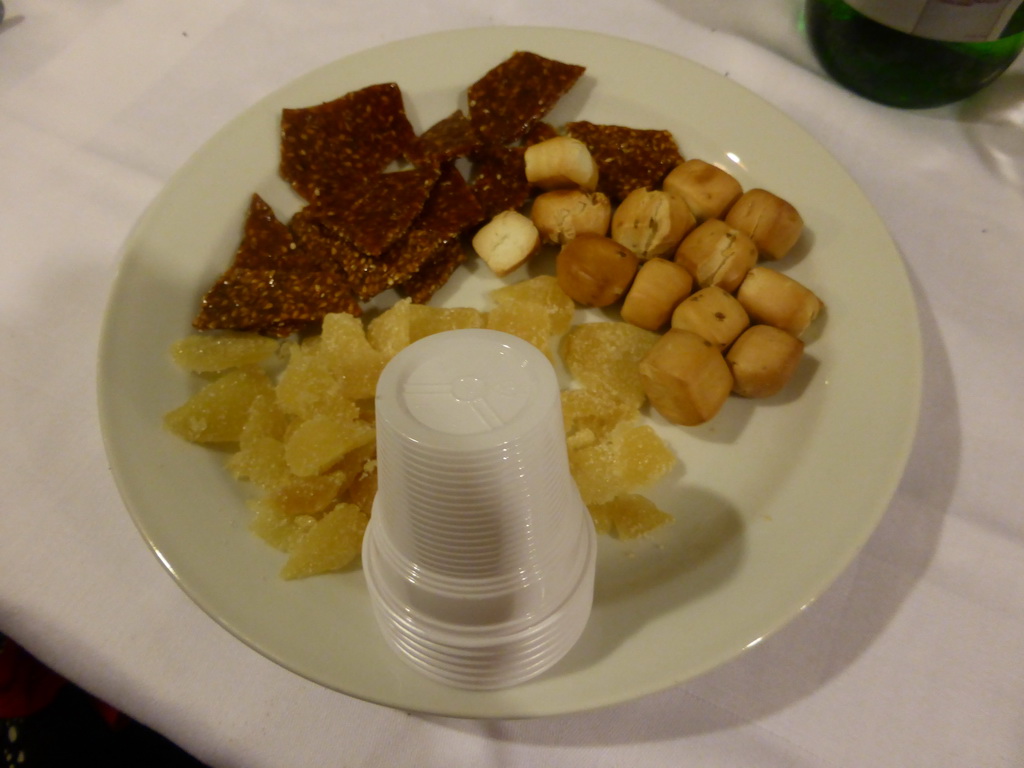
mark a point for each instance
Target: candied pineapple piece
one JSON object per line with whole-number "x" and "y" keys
{"x": 529, "y": 321}
{"x": 215, "y": 352}
{"x": 643, "y": 457}
{"x": 260, "y": 455}
{"x": 349, "y": 355}
{"x": 543, "y": 290}
{"x": 278, "y": 530}
{"x": 580, "y": 438}
{"x": 363, "y": 486}
{"x": 593, "y": 469}
{"x": 217, "y": 413}
{"x": 265, "y": 419}
{"x": 389, "y": 333}
{"x": 406, "y": 322}
{"x": 629, "y": 516}
{"x": 355, "y": 462}
{"x": 630, "y": 458}
{"x": 320, "y": 442}
{"x": 261, "y": 461}
{"x": 605, "y": 357}
{"x": 309, "y": 386}
{"x": 425, "y": 320}
{"x": 306, "y": 495}
{"x": 332, "y": 543}
{"x": 596, "y": 411}
{"x": 601, "y": 514}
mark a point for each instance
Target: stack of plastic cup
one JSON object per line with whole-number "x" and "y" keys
{"x": 479, "y": 555}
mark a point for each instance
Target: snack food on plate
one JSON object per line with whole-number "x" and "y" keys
{"x": 288, "y": 367}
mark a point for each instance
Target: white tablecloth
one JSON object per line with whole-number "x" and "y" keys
{"x": 912, "y": 657}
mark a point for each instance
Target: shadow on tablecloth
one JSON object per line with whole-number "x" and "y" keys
{"x": 47, "y": 722}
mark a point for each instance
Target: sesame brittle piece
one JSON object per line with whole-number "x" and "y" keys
{"x": 432, "y": 276}
{"x": 273, "y": 302}
{"x": 512, "y": 97}
{"x": 375, "y": 214}
{"x": 321, "y": 245}
{"x": 266, "y": 242}
{"x": 346, "y": 140}
{"x": 450, "y": 209}
{"x": 450, "y": 138}
{"x": 627, "y": 158}
{"x": 499, "y": 179}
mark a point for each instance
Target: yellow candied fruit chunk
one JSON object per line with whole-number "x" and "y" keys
{"x": 629, "y": 516}
{"x": 593, "y": 466}
{"x": 389, "y": 333}
{"x": 278, "y": 530}
{"x": 630, "y": 458}
{"x": 405, "y": 322}
{"x": 425, "y": 320}
{"x": 320, "y": 442}
{"x": 309, "y": 386}
{"x": 580, "y": 438}
{"x": 605, "y": 357}
{"x": 363, "y": 488}
{"x": 596, "y": 411}
{"x": 217, "y": 413}
{"x": 308, "y": 496}
{"x": 216, "y": 352}
{"x": 543, "y": 290}
{"x": 261, "y": 461}
{"x": 529, "y": 321}
{"x": 332, "y": 543}
{"x": 601, "y": 514}
{"x": 355, "y": 461}
{"x": 349, "y": 356}
{"x": 643, "y": 457}
{"x": 265, "y": 419}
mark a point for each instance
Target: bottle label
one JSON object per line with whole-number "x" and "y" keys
{"x": 965, "y": 21}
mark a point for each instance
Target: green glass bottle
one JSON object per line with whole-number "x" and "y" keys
{"x": 915, "y": 53}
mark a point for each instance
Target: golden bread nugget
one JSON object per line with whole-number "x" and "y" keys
{"x": 595, "y": 270}
{"x": 771, "y": 222}
{"x": 651, "y": 222}
{"x": 506, "y": 242}
{"x": 774, "y": 298}
{"x": 685, "y": 378}
{"x": 763, "y": 360}
{"x": 713, "y": 314}
{"x": 562, "y": 214}
{"x": 708, "y": 190}
{"x": 657, "y": 290}
{"x": 717, "y": 254}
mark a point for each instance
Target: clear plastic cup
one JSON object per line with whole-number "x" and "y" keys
{"x": 479, "y": 555}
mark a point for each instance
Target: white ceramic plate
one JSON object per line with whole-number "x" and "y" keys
{"x": 772, "y": 500}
